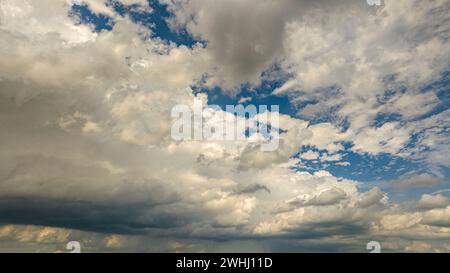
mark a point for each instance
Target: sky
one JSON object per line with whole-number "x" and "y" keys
{"x": 87, "y": 88}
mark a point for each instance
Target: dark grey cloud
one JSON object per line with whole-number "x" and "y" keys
{"x": 245, "y": 38}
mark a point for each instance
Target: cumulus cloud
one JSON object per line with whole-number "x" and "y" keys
{"x": 85, "y": 126}
{"x": 246, "y": 37}
{"x": 348, "y": 70}
{"x": 433, "y": 201}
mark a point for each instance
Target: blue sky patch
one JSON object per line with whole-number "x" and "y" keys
{"x": 86, "y": 16}
{"x": 156, "y": 20}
